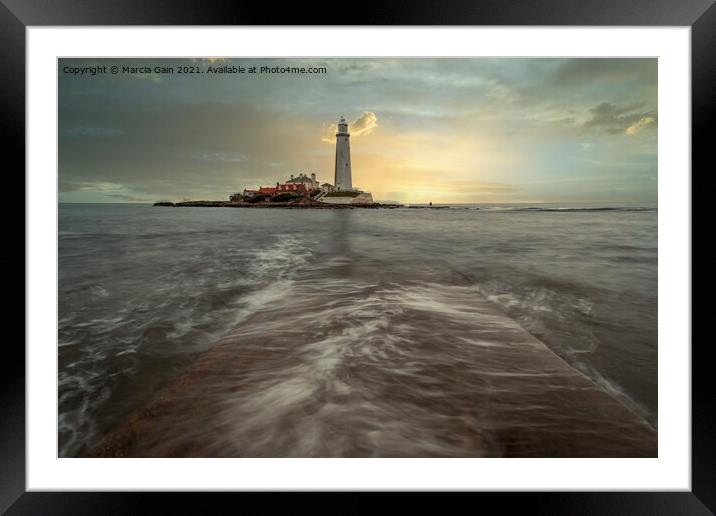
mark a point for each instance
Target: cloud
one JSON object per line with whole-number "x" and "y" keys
{"x": 130, "y": 198}
{"x": 210, "y": 60}
{"x": 640, "y": 125}
{"x": 581, "y": 72}
{"x": 361, "y": 126}
{"x": 88, "y": 130}
{"x": 615, "y": 119}
{"x": 365, "y": 124}
{"x": 145, "y": 77}
{"x": 476, "y": 187}
{"x": 89, "y": 186}
{"x": 218, "y": 156}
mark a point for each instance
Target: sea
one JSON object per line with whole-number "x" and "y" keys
{"x": 145, "y": 291}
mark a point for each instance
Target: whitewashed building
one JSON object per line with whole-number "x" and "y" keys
{"x": 309, "y": 183}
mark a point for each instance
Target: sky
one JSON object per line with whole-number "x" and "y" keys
{"x": 467, "y": 130}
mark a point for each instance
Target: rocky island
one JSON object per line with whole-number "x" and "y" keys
{"x": 301, "y": 203}
{"x": 303, "y": 190}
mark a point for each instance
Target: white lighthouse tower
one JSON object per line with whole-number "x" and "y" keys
{"x": 343, "y": 179}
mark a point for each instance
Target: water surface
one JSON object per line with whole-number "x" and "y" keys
{"x": 144, "y": 291}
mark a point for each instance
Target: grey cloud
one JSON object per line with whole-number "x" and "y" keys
{"x": 218, "y": 156}
{"x": 88, "y": 186}
{"x": 615, "y": 119}
{"x": 88, "y": 130}
{"x": 130, "y": 198}
{"x": 551, "y": 88}
{"x": 580, "y": 72}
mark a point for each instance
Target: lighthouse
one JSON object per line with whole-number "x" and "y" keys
{"x": 343, "y": 179}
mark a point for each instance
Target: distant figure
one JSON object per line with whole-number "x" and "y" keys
{"x": 431, "y": 203}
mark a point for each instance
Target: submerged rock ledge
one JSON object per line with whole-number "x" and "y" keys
{"x": 523, "y": 401}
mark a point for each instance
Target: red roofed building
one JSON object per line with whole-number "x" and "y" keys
{"x": 291, "y": 187}
{"x": 267, "y": 190}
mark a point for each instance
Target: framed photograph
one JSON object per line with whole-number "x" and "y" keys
{"x": 448, "y": 252}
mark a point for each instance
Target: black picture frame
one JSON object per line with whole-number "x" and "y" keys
{"x": 17, "y": 15}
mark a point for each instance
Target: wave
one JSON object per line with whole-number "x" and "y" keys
{"x": 563, "y": 210}
{"x": 550, "y": 209}
{"x": 168, "y": 323}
